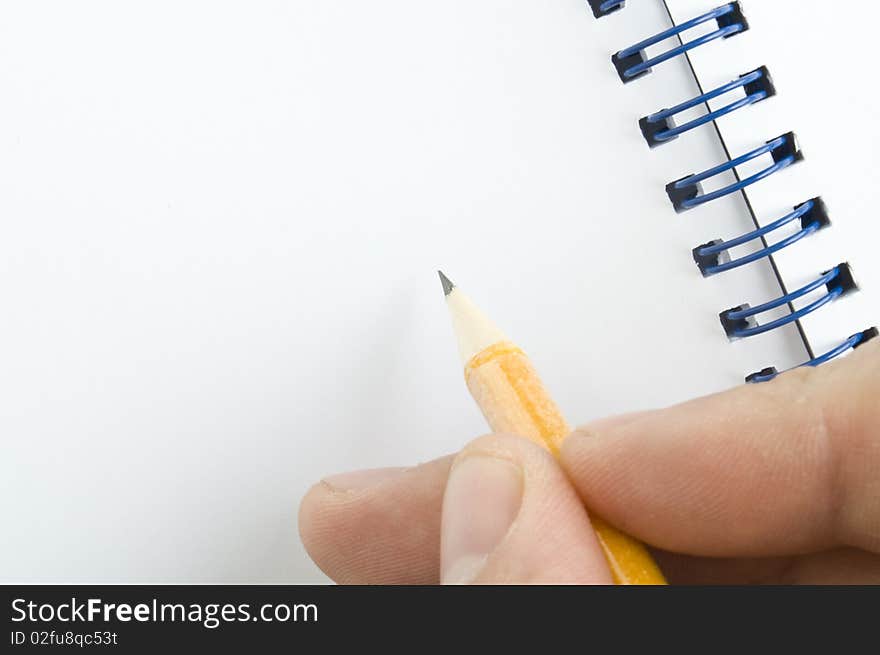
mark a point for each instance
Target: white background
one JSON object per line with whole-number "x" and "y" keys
{"x": 220, "y": 228}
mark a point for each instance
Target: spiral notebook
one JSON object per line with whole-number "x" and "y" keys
{"x": 222, "y": 222}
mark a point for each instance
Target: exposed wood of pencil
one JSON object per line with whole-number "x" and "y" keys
{"x": 506, "y": 387}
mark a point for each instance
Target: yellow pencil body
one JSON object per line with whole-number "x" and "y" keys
{"x": 513, "y": 399}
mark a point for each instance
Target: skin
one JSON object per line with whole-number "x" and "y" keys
{"x": 775, "y": 483}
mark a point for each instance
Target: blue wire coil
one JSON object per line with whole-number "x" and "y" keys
{"x": 604, "y": 7}
{"x": 713, "y": 258}
{"x": 855, "y": 341}
{"x": 632, "y": 63}
{"x": 687, "y": 192}
{"x": 740, "y": 322}
{"x": 660, "y": 127}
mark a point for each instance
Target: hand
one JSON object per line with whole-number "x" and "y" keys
{"x": 770, "y": 483}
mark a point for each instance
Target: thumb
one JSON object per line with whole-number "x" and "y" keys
{"x": 511, "y": 517}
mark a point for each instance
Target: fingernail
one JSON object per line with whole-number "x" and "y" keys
{"x": 604, "y": 426}
{"x": 483, "y": 497}
{"x": 612, "y": 422}
{"x": 359, "y": 480}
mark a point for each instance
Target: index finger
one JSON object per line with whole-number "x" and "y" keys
{"x": 784, "y": 467}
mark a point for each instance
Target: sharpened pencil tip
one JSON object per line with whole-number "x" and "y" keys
{"x": 448, "y": 286}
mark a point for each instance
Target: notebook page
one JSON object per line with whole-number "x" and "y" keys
{"x": 823, "y": 97}
{"x": 222, "y": 222}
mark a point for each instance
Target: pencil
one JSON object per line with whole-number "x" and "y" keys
{"x": 513, "y": 399}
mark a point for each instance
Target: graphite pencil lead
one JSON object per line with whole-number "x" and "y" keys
{"x": 448, "y": 286}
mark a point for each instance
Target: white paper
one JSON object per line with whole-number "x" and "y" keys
{"x": 221, "y": 224}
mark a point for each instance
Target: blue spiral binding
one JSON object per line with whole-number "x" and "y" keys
{"x": 855, "y": 341}
{"x": 632, "y": 63}
{"x": 604, "y": 7}
{"x": 713, "y": 258}
{"x": 740, "y": 323}
{"x": 660, "y": 127}
{"x": 687, "y": 192}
